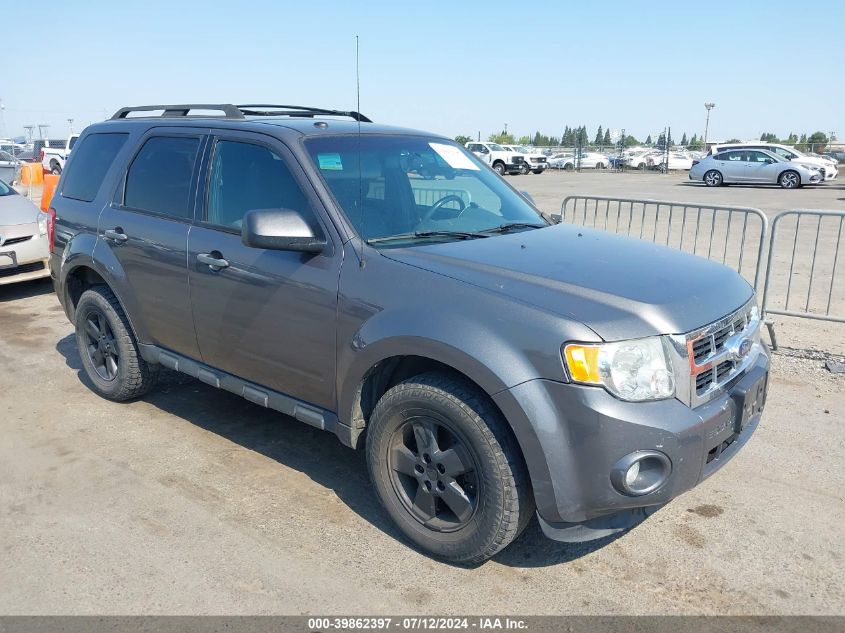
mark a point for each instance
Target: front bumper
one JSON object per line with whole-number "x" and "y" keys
{"x": 830, "y": 173}
{"x": 538, "y": 166}
{"x": 579, "y": 433}
{"x": 24, "y": 261}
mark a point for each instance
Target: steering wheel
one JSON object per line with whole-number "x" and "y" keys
{"x": 439, "y": 204}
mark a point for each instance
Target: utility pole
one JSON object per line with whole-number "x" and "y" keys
{"x": 70, "y": 125}
{"x": 709, "y": 106}
{"x": 28, "y": 129}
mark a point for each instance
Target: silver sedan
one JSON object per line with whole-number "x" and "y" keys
{"x": 753, "y": 167}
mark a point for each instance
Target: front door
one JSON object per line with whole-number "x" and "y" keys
{"x": 267, "y": 316}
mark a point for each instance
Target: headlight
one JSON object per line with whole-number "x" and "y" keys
{"x": 42, "y": 224}
{"x": 635, "y": 370}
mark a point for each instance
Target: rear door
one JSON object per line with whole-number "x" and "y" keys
{"x": 145, "y": 229}
{"x": 732, "y": 166}
{"x": 267, "y": 316}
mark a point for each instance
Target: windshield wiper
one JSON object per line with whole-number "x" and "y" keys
{"x": 464, "y": 235}
{"x": 504, "y": 228}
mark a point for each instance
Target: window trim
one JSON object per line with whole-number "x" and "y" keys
{"x": 119, "y": 196}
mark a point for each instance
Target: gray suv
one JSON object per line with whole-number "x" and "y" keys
{"x": 387, "y": 286}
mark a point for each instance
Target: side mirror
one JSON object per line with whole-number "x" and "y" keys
{"x": 280, "y": 230}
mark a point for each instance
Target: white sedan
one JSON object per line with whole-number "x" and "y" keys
{"x": 24, "y": 243}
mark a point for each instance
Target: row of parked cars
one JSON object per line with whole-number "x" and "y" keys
{"x": 51, "y": 153}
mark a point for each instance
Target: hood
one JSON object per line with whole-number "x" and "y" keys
{"x": 16, "y": 209}
{"x": 812, "y": 160}
{"x": 619, "y": 287}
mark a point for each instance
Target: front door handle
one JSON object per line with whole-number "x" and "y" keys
{"x": 115, "y": 235}
{"x": 209, "y": 259}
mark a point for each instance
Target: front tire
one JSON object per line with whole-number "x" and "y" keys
{"x": 108, "y": 348}
{"x": 499, "y": 168}
{"x": 713, "y": 178}
{"x": 447, "y": 469}
{"x": 789, "y": 180}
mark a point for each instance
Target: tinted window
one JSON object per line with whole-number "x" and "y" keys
{"x": 91, "y": 161}
{"x": 245, "y": 177}
{"x": 758, "y": 157}
{"x": 159, "y": 179}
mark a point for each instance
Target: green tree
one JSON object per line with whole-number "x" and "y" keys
{"x": 817, "y": 141}
{"x": 631, "y": 140}
{"x": 568, "y": 138}
{"x": 792, "y": 139}
{"x": 607, "y": 140}
{"x": 684, "y": 142}
{"x": 462, "y": 139}
{"x": 695, "y": 144}
{"x": 523, "y": 140}
{"x": 648, "y": 140}
{"x": 502, "y": 137}
{"x": 599, "y": 137}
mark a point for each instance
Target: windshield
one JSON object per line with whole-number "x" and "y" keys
{"x": 412, "y": 184}
{"x": 496, "y": 147}
{"x": 524, "y": 150}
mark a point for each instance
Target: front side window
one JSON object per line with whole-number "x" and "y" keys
{"x": 783, "y": 153}
{"x": 159, "y": 179}
{"x": 91, "y": 160}
{"x": 244, "y": 177}
{"x": 407, "y": 185}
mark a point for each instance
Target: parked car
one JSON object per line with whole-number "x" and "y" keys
{"x": 585, "y": 160}
{"x": 484, "y": 380}
{"x": 674, "y": 161}
{"x": 53, "y": 158}
{"x": 502, "y": 160}
{"x": 9, "y": 167}
{"x": 557, "y": 161}
{"x": 827, "y": 167}
{"x": 23, "y": 238}
{"x": 753, "y": 166}
{"x": 535, "y": 160}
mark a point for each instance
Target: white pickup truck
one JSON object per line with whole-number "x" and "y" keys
{"x": 535, "y": 160}
{"x": 501, "y": 160}
{"x": 53, "y": 158}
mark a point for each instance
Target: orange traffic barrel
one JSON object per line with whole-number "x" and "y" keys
{"x": 32, "y": 174}
{"x": 50, "y": 182}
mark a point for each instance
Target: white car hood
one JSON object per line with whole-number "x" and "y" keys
{"x": 16, "y": 209}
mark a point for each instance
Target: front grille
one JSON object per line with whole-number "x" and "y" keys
{"x": 719, "y": 353}
{"x": 517, "y": 159}
{"x": 24, "y": 268}
{"x": 712, "y": 344}
{"x": 17, "y": 240}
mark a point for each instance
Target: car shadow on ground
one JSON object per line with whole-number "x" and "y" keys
{"x": 25, "y": 290}
{"x": 312, "y": 452}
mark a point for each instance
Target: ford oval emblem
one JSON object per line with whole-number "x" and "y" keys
{"x": 743, "y": 348}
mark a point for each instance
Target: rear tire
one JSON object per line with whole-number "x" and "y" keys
{"x": 108, "y": 348}
{"x": 789, "y": 179}
{"x": 447, "y": 468}
{"x": 55, "y": 169}
{"x": 713, "y": 178}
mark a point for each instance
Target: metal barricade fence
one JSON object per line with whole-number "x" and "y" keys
{"x": 802, "y": 266}
{"x": 734, "y": 236}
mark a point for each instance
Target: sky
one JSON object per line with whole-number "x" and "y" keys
{"x": 448, "y": 67}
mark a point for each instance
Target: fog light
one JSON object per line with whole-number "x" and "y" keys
{"x": 632, "y": 473}
{"x": 641, "y": 472}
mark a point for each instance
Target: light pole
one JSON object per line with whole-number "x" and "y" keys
{"x": 709, "y": 105}
{"x": 70, "y": 124}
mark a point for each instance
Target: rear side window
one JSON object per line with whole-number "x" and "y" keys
{"x": 159, "y": 179}
{"x": 91, "y": 161}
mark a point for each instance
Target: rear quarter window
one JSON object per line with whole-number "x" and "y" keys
{"x": 91, "y": 160}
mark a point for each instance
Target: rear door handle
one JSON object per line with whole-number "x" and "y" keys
{"x": 115, "y": 235}
{"x": 215, "y": 263}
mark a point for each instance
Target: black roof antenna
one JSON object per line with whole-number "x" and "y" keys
{"x": 363, "y": 261}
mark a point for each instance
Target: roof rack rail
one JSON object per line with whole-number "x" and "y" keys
{"x": 267, "y": 109}
{"x": 183, "y": 110}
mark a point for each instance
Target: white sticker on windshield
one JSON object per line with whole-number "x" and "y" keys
{"x": 454, "y": 157}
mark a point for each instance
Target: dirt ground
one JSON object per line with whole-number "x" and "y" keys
{"x": 194, "y": 501}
